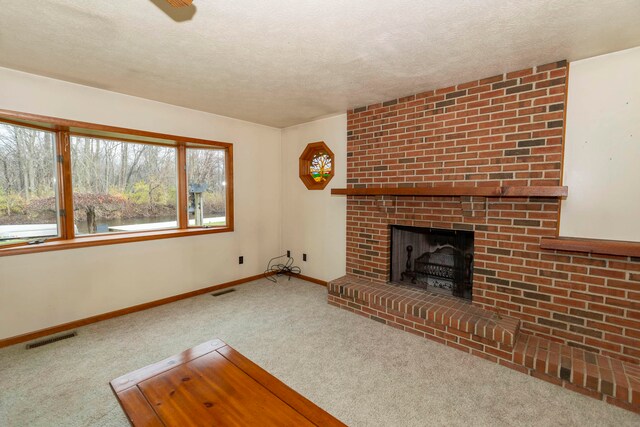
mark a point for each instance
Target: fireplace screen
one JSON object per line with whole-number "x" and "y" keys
{"x": 434, "y": 259}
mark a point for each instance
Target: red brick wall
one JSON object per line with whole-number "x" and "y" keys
{"x": 502, "y": 130}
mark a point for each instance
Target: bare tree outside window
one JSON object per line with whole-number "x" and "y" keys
{"x": 28, "y": 186}
{"x": 122, "y": 186}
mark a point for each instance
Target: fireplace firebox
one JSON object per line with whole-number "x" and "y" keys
{"x": 434, "y": 259}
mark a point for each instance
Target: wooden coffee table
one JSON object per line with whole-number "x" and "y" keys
{"x": 213, "y": 384}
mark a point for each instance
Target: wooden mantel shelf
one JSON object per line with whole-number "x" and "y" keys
{"x": 596, "y": 246}
{"x": 521, "y": 191}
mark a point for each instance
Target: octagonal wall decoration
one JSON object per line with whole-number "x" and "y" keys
{"x": 316, "y": 165}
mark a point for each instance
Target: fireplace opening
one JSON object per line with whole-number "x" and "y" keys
{"x": 434, "y": 259}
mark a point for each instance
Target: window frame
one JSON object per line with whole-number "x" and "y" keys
{"x": 63, "y": 130}
{"x": 306, "y": 158}
{"x": 58, "y": 172}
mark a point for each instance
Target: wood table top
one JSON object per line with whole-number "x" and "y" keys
{"x": 213, "y": 384}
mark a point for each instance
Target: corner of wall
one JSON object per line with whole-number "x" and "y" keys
{"x": 313, "y": 222}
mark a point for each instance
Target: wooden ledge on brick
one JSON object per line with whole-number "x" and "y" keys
{"x": 450, "y": 190}
{"x": 596, "y": 246}
{"x": 410, "y": 304}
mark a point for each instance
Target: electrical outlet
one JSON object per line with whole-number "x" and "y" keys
{"x": 288, "y": 254}
{"x": 241, "y": 260}
{"x": 304, "y": 257}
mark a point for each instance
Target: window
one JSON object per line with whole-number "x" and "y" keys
{"x": 122, "y": 186}
{"x": 65, "y": 184}
{"x": 206, "y": 187}
{"x": 28, "y": 184}
{"x": 316, "y": 165}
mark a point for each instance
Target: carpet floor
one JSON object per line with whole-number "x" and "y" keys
{"x": 362, "y": 372}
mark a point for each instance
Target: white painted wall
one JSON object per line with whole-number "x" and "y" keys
{"x": 602, "y": 148}
{"x": 47, "y": 289}
{"x": 314, "y": 221}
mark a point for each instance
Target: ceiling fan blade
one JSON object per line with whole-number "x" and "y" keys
{"x": 180, "y": 3}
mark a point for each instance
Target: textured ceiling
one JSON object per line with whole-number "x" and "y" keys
{"x": 283, "y": 62}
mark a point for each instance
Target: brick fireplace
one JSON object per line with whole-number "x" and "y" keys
{"x": 505, "y": 130}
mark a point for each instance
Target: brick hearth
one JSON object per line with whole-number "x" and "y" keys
{"x": 458, "y": 324}
{"x": 440, "y": 316}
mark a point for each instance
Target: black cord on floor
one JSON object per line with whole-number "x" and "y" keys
{"x": 280, "y": 269}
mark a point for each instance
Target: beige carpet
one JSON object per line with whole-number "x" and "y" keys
{"x": 363, "y": 372}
